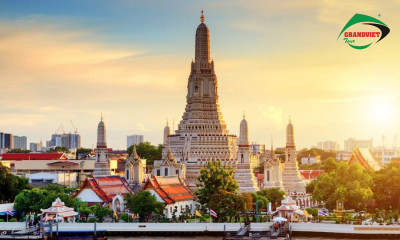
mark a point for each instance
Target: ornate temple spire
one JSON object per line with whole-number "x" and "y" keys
{"x": 244, "y": 132}
{"x": 290, "y": 135}
{"x": 244, "y": 115}
{"x": 134, "y": 154}
{"x": 101, "y": 133}
{"x": 202, "y": 51}
{"x": 101, "y": 118}
{"x": 169, "y": 159}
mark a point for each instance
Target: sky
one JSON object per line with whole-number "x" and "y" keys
{"x": 130, "y": 60}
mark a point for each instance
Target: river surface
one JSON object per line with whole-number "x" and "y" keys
{"x": 218, "y": 238}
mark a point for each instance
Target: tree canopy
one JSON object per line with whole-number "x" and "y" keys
{"x": 19, "y": 150}
{"x": 35, "y": 199}
{"x": 58, "y": 150}
{"x": 147, "y": 151}
{"x": 11, "y": 185}
{"x": 214, "y": 178}
{"x": 143, "y": 203}
{"x": 273, "y": 195}
{"x": 349, "y": 183}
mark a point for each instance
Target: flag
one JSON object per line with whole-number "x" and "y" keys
{"x": 115, "y": 214}
{"x": 198, "y": 214}
{"x": 130, "y": 214}
{"x": 213, "y": 214}
{"x": 306, "y": 213}
{"x": 321, "y": 213}
{"x": 104, "y": 204}
{"x": 9, "y": 212}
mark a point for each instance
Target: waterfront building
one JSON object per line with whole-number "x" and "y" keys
{"x": 173, "y": 192}
{"x": 59, "y": 212}
{"x": 106, "y": 191}
{"x": 169, "y": 166}
{"x": 134, "y": 139}
{"x": 365, "y": 158}
{"x": 20, "y": 142}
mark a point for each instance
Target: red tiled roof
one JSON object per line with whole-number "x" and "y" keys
{"x": 310, "y": 173}
{"x": 171, "y": 189}
{"x": 107, "y": 187}
{"x": 33, "y": 156}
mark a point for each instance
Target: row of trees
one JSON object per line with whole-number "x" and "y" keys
{"x": 357, "y": 187}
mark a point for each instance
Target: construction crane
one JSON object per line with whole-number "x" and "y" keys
{"x": 62, "y": 128}
{"x": 73, "y": 126}
{"x": 58, "y": 129}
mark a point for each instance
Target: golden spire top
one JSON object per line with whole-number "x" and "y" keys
{"x": 244, "y": 115}
{"x": 290, "y": 119}
{"x": 167, "y": 122}
{"x": 202, "y": 16}
{"x": 101, "y": 117}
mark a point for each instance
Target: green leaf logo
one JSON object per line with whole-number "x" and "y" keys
{"x": 367, "y": 20}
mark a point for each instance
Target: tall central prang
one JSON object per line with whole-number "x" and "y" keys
{"x": 201, "y": 135}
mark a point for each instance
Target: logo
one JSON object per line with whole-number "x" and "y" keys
{"x": 356, "y": 38}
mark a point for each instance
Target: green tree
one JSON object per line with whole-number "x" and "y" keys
{"x": 147, "y": 151}
{"x": 214, "y": 178}
{"x": 82, "y": 150}
{"x": 349, "y": 183}
{"x": 19, "y": 150}
{"x": 142, "y": 204}
{"x": 274, "y": 195}
{"x": 58, "y": 150}
{"x": 11, "y": 185}
{"x": 84, "y": 209}
{"x": 385, "y": 188}
{"x": 330, "y": 165}
{"x": 100, "y": 212}
{"x": 126, "y": 217}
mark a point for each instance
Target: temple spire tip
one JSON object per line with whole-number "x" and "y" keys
{"x": 202, "y": 16}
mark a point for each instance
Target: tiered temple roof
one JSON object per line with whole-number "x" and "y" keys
{"x": 365, "y": 158}
{"x": 171, "y": 188}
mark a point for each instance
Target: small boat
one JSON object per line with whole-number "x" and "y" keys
{"x": 282, "y": 233}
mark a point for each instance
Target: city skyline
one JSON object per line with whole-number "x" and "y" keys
{"x": 130, "y": 60}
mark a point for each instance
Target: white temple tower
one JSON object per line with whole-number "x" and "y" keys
{"x": 244, "y": 173}
{"x": 202, "y": 135}
{"x": 273, "y": 171}
{"x": 102, "y": 164}
{"x": 291, "y": 176}
{"x": 134, "y": 171}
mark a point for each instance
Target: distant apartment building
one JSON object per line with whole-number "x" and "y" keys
{"x": 20, "y": 142}
{"x": 343, "y": 155}
{"x": 134, "y": 139}
{"x": 352, "y": 143}
{"x": 386, "y": 153}
{"x": 34, "y": 147}
{"x": 6, "y": 141}
{"x": 328, "y": 145}
{"x": 257, "y": 148}
{"x": 68, "y": 140}
{"x": 309, "y": 160}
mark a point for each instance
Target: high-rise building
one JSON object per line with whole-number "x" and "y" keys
{"x": 20, "y": 142}
{"x": 8, "y": 141}
{"x": 352, "y": 143}
{"x": 68, "y": 140}
{"x": 134, "y": 139}
{"x": 1, "y": 141}
{"x": 34, "y": 147}
{"x": 329, "y": 145}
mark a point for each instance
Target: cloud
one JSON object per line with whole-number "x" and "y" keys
{"x": 142, "y": 127}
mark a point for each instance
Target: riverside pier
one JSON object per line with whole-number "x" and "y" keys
{"x": 217, "y": 229}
